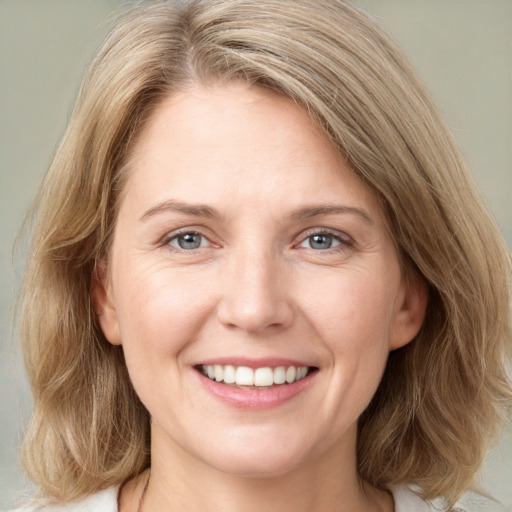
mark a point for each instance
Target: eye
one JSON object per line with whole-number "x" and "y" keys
{"x": 324, "y": 240}
{"x": 188, "y": 241}
{"x": 320, "y": 242}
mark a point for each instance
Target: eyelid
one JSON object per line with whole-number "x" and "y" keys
{"x": 344, "y": 239}
{"x": 341, "y": 235}
{"x": 196, "y": 230}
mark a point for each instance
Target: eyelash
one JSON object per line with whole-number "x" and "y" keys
{"x": 181, "y": 233}
{"x": 344, "y": 241}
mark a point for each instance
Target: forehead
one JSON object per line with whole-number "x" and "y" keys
{"x": 236, "y": 141}
{"x": 229, "y": 117}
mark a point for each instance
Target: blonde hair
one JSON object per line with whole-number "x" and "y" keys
{"x": 442, "y": 397}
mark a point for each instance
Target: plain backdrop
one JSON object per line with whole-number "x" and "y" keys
{"x": 461, "y": 48}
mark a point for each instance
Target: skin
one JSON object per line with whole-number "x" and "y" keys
{"x": 256, "y": 287}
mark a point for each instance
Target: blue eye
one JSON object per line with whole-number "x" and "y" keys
{"x": 321, "y": 242}
{"x": 188, "y": 241}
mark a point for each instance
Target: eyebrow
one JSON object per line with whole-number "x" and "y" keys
{"x": 315, "y": 211}
{"x": 172, "y": 205}
{"x": 205, "y": 211}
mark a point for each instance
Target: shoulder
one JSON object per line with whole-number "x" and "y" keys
{"x": 103, "y": 501}
{"x": 473, "y": 502}
{"x": 406, "y": 500}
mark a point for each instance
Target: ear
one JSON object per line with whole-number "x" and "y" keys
{"x": 104, "y": 306}
{"x": 410, "y": 312}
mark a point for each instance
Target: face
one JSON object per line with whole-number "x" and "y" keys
{"x": 252, "y": 284}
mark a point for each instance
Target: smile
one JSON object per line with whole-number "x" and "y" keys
{"x": 252, "y": 386}
{"x": 259, "y": 377}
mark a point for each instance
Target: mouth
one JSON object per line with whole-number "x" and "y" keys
{"x": 262, "y": 378}
{"x": 256, "y": 384}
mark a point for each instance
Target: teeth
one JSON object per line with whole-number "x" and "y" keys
{"x": 291, "y": 373}
{"x": 280, "y": 375}
{"x": 244, "y": 376}
{"x": 301, "y": 373}
{"x": 259, "y": 377}
{"x": 229, "y": 374}
{"x": 263, "y": 377}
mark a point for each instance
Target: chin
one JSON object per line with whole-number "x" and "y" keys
{"x": 260, "y": 467}
{"x": 265, "y": 457}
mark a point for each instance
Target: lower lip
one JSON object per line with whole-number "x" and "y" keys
{"x": 256, "y": 399}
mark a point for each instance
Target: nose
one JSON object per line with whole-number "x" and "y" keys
{"x": 255, "y": 298}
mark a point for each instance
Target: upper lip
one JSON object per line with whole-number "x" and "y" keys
{"x": 272, "y": 362}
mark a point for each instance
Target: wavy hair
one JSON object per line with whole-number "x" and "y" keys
{"x": 442, "y": 397}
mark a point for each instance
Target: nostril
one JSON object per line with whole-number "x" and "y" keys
{"x": 251, "y": 315}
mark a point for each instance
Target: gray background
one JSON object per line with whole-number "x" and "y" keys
{"x": 462, "y": 49}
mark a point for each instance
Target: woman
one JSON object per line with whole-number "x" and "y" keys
{"x": 261, "y": 276}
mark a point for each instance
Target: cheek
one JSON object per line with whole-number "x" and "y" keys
{"x": 159, "y": 312}
{"x": 356, "y": 326}
{"x": 353, "y": 308}
{"x": 159, "y": 317}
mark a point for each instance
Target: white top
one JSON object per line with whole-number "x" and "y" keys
{"x": 106, "y": 501}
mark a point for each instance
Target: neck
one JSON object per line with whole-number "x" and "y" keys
{"x": 329, "y": 483}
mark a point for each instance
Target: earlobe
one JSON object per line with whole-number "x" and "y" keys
{"x": 411, "y": 311}
{"x": 103, "y": 303}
